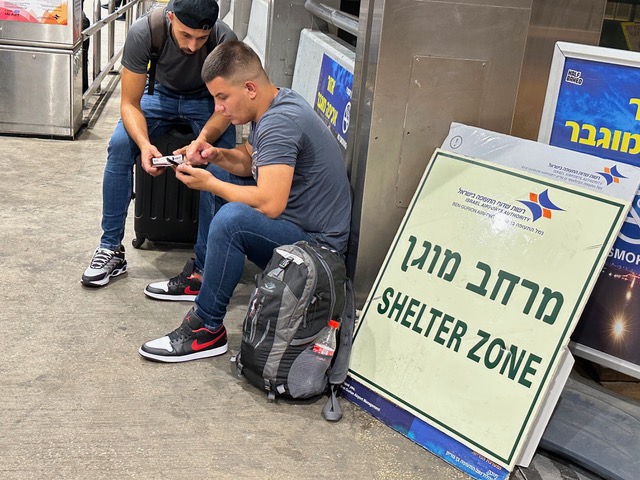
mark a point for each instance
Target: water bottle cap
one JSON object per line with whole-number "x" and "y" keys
{"x": 334, "y": 324}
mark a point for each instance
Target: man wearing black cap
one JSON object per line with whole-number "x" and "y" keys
{"x": 179, "y": 96}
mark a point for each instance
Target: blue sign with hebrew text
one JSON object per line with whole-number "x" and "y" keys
{"x": 333, "y": 97}
{"x": 598, "y": 112}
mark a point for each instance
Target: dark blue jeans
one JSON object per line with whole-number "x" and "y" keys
{"x": 162, "y": 111}
{"x": 235, "y": 231}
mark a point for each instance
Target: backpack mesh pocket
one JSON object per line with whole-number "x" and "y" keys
{"x": 308, "y": 374}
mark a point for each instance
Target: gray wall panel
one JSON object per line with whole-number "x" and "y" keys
{"x": 386, "y": 163}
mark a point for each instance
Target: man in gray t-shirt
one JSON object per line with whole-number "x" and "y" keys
{"x": 191, "y": 31}
{"x": 291, "y": 134}
{"x": 300, "y": 192}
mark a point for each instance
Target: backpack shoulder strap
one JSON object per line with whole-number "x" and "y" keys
{"x": 340, "y": 368}
{"x": 212, "y": 42}
{"x": 158, "y": 29}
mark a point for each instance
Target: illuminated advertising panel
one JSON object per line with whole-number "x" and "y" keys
{"x": 593, "y": 106}
{"x": 333, "y": 98}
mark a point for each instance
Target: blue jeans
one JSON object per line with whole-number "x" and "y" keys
{"x": 235, "y": 231}
{"x": 163, "y": 110}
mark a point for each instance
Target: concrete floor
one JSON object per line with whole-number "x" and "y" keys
{"x": 78, "y": 401}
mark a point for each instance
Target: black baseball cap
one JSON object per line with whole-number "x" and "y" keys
{"x": 200, "y": 14}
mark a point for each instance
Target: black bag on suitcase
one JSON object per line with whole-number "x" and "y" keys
{"x": 166, "y": 210}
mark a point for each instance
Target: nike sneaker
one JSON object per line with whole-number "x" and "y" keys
{"x": 190, "y": 341}
{"x": 105, "y": 264}
{"x": 182, "y": 287}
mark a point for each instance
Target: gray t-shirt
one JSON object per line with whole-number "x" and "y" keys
{"x": 174, "y": 70}
{"x": 291, "y": 133}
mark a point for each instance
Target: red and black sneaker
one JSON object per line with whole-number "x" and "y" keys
{"x": 190, "y": 341}
{"x": 183, "y": 287}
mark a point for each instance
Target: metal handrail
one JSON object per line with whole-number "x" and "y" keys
{"x": 344, "y": 21}
{"x": 94, "y": 32}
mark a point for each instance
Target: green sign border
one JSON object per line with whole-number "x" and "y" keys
{"x": 613, "y": 231}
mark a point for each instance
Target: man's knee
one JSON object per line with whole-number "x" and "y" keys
{"x": 121, "y": 149}
{"x": 228, "y": 138}
{"x": 231, "y": 218}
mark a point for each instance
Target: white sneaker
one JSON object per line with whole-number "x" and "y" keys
{"x": 104, "y": 265}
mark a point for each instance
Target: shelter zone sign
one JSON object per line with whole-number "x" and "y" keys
{"x": 469, "y": 318}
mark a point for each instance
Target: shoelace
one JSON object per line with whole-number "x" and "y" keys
{"x": 181, "y": 333}
{"x": 101, "y": 257}
{"x": 187, "y": 272}
{"x": 181, "y": 278}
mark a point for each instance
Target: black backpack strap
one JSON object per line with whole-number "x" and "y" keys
{"x": 340, "y": 368}
{"x": 212, "y": 42}
{"x": 158, "y": 29}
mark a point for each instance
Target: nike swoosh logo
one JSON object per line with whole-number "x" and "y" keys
{"x": 197, "y": 346}
{"x": 188, "y": 291}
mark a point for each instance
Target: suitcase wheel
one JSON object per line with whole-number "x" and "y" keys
{"x": 137, "y": 242}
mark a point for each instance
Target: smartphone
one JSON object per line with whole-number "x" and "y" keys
{"x": 167, "y": 160}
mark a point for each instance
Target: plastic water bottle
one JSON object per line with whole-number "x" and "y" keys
{"x": 308, "y": 374}
{"x": 326, "y": 343}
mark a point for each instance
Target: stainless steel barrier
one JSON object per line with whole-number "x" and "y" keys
{"x": 44, "y": 85}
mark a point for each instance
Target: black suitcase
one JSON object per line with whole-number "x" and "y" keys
{"x": 166, "y": 210}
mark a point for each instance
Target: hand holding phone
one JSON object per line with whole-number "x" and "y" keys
{"x": 168, "y": 160}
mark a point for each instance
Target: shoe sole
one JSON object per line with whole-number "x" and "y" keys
{"x": 214, "y": 352}
{"x": 164, "y": 296}
{"x": 102, "y": 282}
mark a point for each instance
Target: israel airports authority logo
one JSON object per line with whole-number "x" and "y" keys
{"x": 611, "y": 175}
{"x": 630, "y": 231}
{"x": 540, "y": 205}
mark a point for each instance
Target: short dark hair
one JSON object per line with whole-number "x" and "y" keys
{"x": 234, "y": 61}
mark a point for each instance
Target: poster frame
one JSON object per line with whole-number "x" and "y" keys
{"x": 562, "y": 52}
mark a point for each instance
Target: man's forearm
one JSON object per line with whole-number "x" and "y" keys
{"x": 214, "y": 128}
{"x": 136, "y": 125}
{"x": 234, "y": 160}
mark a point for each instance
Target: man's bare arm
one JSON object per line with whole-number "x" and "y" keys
{"x": 269, "y": 196}
{"x": 214, "y": 128}
{"x": 133, "y": 85}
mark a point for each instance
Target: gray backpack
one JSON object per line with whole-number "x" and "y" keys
{"x": 302, "y": 287}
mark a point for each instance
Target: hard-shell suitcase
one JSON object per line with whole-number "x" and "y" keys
{"x": 166, "y": 210}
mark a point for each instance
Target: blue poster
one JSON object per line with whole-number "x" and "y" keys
{"x": 598, "y": 112}
{"x": 333, "y": 98}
